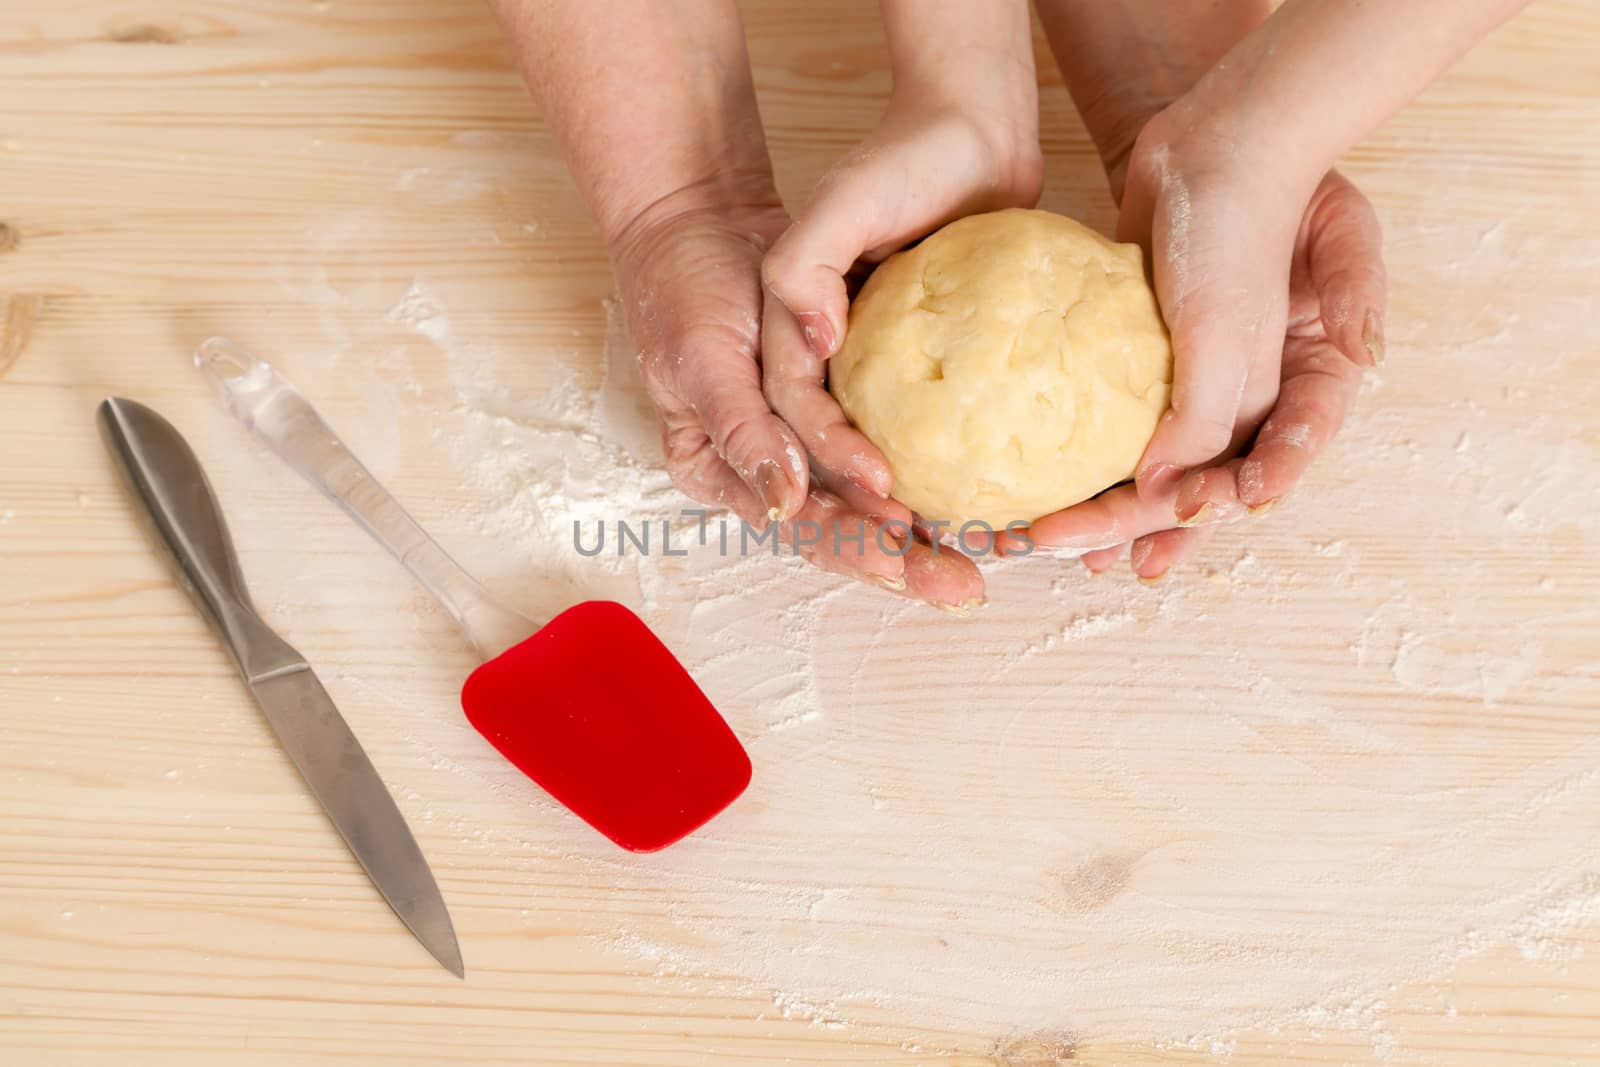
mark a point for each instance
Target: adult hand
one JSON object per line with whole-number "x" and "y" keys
{"x": 654, "y": 107}
{"x": 689, "y": 271}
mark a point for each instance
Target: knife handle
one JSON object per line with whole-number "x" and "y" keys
{"x": 168, "y": 482}
{"x": 279, "y": 415}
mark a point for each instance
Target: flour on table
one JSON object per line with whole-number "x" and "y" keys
{"x": 997, "y": 876}
{"x": 1095, "y": 812}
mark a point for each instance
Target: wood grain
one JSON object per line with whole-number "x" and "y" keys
{"x": 171, "y": 894}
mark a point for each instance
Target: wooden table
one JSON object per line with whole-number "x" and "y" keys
{"x": 362, "y": 193}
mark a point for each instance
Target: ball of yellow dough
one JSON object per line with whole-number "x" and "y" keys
{"x": 1010, "y": 365}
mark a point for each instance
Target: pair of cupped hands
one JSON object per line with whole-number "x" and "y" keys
{"x": 1274, "y": 294}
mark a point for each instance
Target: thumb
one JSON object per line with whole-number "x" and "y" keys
{"x": 918, "y": 172}
{"x": 805, "y": 268}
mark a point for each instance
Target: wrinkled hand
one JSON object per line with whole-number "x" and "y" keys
{"x": 689, "y": 272}
{"x": 1275, "y": 308}
{"x": 923, "y": 167}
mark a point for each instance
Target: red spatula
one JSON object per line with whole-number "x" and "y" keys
{"x": 592, "y": 706}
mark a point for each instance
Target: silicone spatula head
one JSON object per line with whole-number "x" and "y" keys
{"x": 595, "y": 709}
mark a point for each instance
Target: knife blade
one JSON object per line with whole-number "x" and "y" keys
{"x": 347, "y": 785}
{"x": 167, "y": 480}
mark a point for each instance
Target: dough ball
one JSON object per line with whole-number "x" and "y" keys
{"x": 1008, "y": 366}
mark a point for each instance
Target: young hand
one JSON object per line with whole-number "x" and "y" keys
{"x": 1266, "y": 269}
{"x": 960, "y": 135}
{"x": 1289, "y": 388}
{"x": 922, "y": 168}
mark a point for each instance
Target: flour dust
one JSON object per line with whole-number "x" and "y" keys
{"x": 1331, "y": 756}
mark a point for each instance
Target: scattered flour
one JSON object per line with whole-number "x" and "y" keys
{"x": 1112, "y": 907}
{"x": 418, "y": 311}
{"x": 1543, "y": 932}
{"x": 1097, "y": 811}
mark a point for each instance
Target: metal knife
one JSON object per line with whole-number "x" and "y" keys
{"x": 167, "y": 480}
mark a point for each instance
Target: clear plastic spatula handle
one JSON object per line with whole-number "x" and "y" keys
{"x": 260, "y": 398}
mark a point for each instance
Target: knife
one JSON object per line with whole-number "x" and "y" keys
{"x": 167, "y": 480}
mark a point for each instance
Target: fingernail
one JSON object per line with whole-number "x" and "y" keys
{"x": 1092, "y": 572}
{"x": 894, "y": 585}
{"x": 1263, "y": 508}
{"x": 1372, "y": 337}
{"x": 861, "y": 484}
{"x": 1213, "y": 514}
{"x": 1006, "y": 544}
{"x": 818, "y": 332}
{"x": 1158, "y": 479}
{"x": 1151, "y": 579}
{"x": 773, "y": 489}
{"x": 965, "y": 608}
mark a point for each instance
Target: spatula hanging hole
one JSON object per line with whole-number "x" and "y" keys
{"x": 236, "y": 374}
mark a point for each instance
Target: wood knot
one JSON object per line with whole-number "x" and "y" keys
{"x": 17, "y": 317}
{"x": 9, "y": 237}
{"x": 1038, "y": 1050}
{"x": 1093, "y": 884}
{"x": 142, "y": 32}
